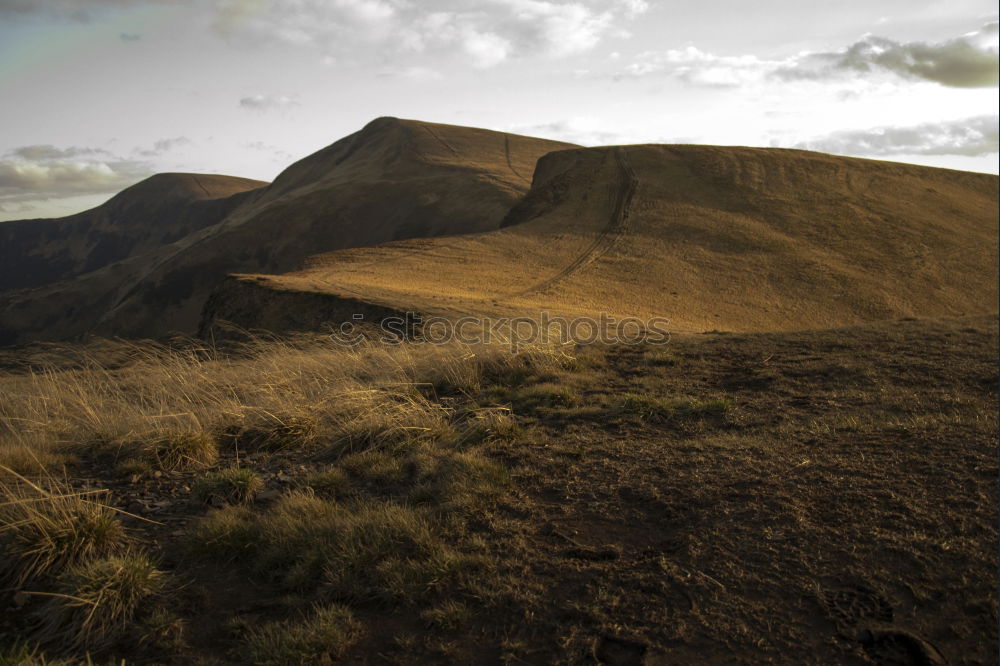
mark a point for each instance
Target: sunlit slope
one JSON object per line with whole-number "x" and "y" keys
{"x": 393, "y": 179}
{"x": 709, "y": 237}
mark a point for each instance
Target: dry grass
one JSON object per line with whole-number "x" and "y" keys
{"x": 47, "y": 525}
{"x": 235, "y": 485}
{"x": 96, "y": 600}
{"x": 368, "y": 551}
{"x": 169, "y": 406}
{"x": 320, "y": 638}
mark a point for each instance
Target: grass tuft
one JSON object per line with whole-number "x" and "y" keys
{"x": 321, "y": 638}
{"x": 449, "y": 615}
{"x": 651, "y": 407}
{"x": 96, "y": 600}
{"x": 48, "y": 525}
{"x": 235, "y": 485}
{"x": 180, "y": 451}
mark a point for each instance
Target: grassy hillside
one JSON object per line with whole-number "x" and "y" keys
{"x": 394, "y": 179}
{"x": 812, "y": 497}
{"x": 712, "y": 238}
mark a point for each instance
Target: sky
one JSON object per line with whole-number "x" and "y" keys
{"x": 96, "y": 95}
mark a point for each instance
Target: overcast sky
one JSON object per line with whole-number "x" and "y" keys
{"x": 98, "y": 94}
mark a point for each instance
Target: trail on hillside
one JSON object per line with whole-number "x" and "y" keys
{"x": 506, "y": 152}
{"x": 621, "y": 192}
{"x": 444, "y": 143}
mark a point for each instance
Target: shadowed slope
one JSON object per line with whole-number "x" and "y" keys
{"x": 392, "y": 180}
{"x": 152, "y": 213}
{"x": 709, "y": 237}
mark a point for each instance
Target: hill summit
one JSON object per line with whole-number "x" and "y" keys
{"x": 712, "y": 238}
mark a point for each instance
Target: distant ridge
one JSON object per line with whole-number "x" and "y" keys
{"x": 154, "y": 212}
{"x": 393, "y": 179}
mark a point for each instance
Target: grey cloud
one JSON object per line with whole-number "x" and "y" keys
{"x": 164, "y": 146}
{"x": 969, "y": 61}
{"x": 33, "y": 173}
{"x": 129, "y": 37}
{"x": 263, "y": 103}
{"x": 972, "y": 137}
{"x": 49, "y": 152}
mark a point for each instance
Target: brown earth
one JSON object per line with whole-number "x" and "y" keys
{"x": 394, "y": 179}
{"x": 841, "y": 510}
{"x": 739, "y": 239}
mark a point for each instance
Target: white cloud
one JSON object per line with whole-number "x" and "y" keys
{"x": 971, "y": 137}
{"x": 692, "y": 65}
{"x": 33, "y": 173}
{"x": 487, "y": 32}
{"x": 262, "y": 103}
{"x": 968, "y": 61}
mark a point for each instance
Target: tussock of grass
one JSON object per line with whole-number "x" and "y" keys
{"x": 96, "y": 600}
{"x": 47, "y": 525}
{"x": 235, "y": 485}
{"x": 488, "y": 425}
{"x": 374, "y": 550}
{"x": 261, "y": 430}
{"x": 544, "y": 396}
{"x": 448, "y": 615}
{"x": 176, "y": 451}
{"x": 333, "y": 482}
{"x": 456, "y": 481}
{"x": 321, "y": 638}
{"x": 376, "y": 418}
{"x": 651, "y": 407}
{"x": 661, "y": 357}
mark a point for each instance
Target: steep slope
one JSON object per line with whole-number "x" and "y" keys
{"x": 709, "y": 237}
{"x": 394, "y": 179}
{"x": 158, "y": 211}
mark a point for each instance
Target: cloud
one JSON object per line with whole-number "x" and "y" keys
{"x": 968, "y": 61}
{"x": 972, "y": 137}
{"x": 129, "y": 36}
{"x": 164, "y": 146}
{"x": 487, "y": 33}
{"x": 697, "y": 67}
{"x": 41, "y": 172}
{"x": 264, "y": 103}
{"x": 50, "y": 152}
{"x": 66, "y": 10}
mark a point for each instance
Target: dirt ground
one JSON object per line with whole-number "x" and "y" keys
{"x": 835, "y": 503}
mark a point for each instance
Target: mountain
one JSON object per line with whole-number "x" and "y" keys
{"x": 155, "y": 212}
{"x": 394, "y": 179}
{"x": 712, "y": 238}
